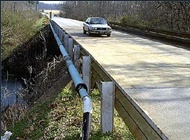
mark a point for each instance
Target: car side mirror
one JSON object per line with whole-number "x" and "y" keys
{"x": 87, "y": 22}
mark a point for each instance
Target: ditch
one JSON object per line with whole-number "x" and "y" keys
{"x": 29, "y": 73}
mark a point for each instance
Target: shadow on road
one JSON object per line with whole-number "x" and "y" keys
{"x": 87, "y": 35}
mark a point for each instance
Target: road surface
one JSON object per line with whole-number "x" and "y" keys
{"x": 155, "y": 75}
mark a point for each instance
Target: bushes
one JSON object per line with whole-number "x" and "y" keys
{"x": 129, "y": 20}
{"x": 137, "y": 21}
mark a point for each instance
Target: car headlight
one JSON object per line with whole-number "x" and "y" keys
{"x": 94, "y": 28}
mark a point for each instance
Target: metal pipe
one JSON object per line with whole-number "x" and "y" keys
{"x": 80, "y": 87}
{"x": 87, "y": 113}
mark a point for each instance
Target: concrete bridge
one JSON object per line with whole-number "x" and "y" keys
{"x": 155, "y": 76}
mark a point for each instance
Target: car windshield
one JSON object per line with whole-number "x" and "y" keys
{"x": 97, "y": 21}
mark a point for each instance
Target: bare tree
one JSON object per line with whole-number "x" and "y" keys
{"x": 172, "y": 15}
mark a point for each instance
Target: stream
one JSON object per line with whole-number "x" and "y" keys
{"x": 11, "y": 93}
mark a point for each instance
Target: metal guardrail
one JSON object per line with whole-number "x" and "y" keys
{"x": 80, "y": 87}
{"x": 140, "y": 125}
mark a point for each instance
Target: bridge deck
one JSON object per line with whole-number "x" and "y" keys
{"x": 155, "y": 75}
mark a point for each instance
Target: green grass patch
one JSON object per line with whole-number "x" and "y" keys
{"x": 61, "y": 118}
{"x": 17, "y": 28}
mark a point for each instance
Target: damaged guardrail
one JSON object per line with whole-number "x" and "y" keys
{"x": 139, "y": 123}
{"x": 80, "y": 87}
{"x": 94, "y": 75}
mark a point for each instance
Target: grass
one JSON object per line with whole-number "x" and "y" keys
{"x": 18, "y": 28}
{"x": 60, "y": 117}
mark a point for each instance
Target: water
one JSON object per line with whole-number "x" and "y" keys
{"x": 11, "y": 93}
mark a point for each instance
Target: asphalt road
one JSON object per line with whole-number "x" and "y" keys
{"x": 154, "y": 74}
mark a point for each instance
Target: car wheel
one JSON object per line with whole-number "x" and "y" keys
{"x": 108, "y": 35}
{"x": 84, "y": 31}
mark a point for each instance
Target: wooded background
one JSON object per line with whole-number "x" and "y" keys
{"x": 167, "y": 15}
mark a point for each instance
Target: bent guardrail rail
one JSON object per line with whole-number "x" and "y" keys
{"x": 80, "y": 87}
{"x": 139, "y": 123}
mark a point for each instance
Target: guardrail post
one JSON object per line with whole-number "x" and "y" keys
{"x": 86, "y": 71}
{"x": 66, "y": 37}
{"x": 55, "y": 29}
{"x": 70, "y": 47}
{"x": 77, "y": 56}
{"x": 61, "y": 35}
{"x": 107, "y": 106}
{"x": 58, "y": 31}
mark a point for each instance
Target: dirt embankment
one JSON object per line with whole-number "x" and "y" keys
{"x": 37, "y": 64}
